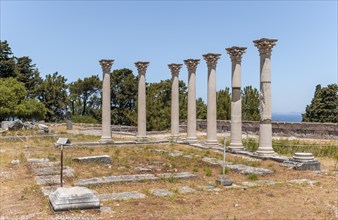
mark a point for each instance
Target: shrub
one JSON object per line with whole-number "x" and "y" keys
{"x": 84, "y": 119}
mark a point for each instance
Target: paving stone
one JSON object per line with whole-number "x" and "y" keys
{"x": 250, "y": 184}
{"x": 186, "y": 189}
{"x": 212, "y": 161}
{"x": 45, "y": 164}
{"x": 235, "y": 186}
{"x": 105, "y": 209}
{"x": 47, "y": 190}
{"x": 122, "y": 196}
{"x": 47, "y": 180}
{"x": 117, "y": 179}
{"x": 15, "y": 162}
{"x": 37, "y": 160}
{"x": 161, "y": 192}
{"x": 175, "y": 154}
{"x": 182, "y": 175}
{"x": 301, "y": 181}
{"x": 94, "y": 159}
{"x": 269, "y": 182}
{"x": 240, "y": 168}
{"x": 210, "y": 188}
{"x": 43, "y": 171}
{"x": 142, "y": 169}
{"x": 64, "y": 199}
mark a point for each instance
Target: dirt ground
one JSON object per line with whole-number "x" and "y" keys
{"x": 21, "y": 198}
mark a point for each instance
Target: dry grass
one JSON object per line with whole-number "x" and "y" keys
{"x": 21, "y": 197}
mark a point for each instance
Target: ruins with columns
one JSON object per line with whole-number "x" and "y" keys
{"x": 264, "y": 46}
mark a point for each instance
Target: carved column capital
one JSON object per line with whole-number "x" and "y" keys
{"x": 236, "y": 53}
{"x": 106, "y": 65}
{"x": 142, "y": 67}
{"x": 192, "y": 64}
{"x": 175, "y": 68}
{"x": 265, "y": 45}
{"x": 211, "y": 58}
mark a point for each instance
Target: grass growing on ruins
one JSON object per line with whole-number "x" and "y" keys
{"x": 289, "y": 147}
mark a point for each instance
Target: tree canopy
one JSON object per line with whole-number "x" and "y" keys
{"x": 324, "y": 105}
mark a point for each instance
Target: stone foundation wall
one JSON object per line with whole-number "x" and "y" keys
{"x": 287, "y": 129}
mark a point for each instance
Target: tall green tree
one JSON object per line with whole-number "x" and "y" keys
{"x": 201, "y": 109}
{"x": 14, "y": 104}
{"x": 159, "y": 104}
{"x": 250, "y": 104}
{"x": 324, "y": 105}
{"x": 123, "y": 97}
{"x": 53, "y": 94}
{"x": 27, "y": 73}
{"x": 7, "y": 61}
{"x": 223, "y": 98}
{"x": 83, "y": 94}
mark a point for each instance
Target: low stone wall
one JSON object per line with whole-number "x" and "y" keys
{"x": 287, "y": 129}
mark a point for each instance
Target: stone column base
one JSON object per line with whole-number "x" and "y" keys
{"x": 174, "y": 139}
{"x": 106, "y": 140}
{"x": 141, "y": 139}
{"x": 212, "y": 144}
{"x": 235, "y": 147}
{"x": 192, "y": 140}
{"x": 266, "y": 152}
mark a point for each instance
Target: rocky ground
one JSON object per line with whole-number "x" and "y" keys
{"x": 280, "y": 194}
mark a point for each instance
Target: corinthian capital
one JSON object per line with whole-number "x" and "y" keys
{"x": 106, "y": 65}
{"x": 175, "y": 68}
{"x": 211, "y": 58}
{"x": 141, "y": 67}
{"x": 191, "y": 64}
{"x": 265, "y": 45}
{"x": 236, "y": 53}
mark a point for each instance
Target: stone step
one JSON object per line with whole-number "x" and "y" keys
{"x": 134, "y": 178}
{"x": 94, "y": 159}
{"x": 122, "y": 196}
{"x": 47, "y": 180}
{"x": 45, "y": 171}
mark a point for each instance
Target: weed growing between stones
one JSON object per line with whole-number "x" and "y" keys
{"x": 207, "y": 171}
{"x": 252, "y": 177}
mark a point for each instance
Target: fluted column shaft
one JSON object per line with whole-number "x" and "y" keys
{"x": 175, "y": 110}
{"x": 141, "y": 102}
{"x": 191, "y": 130}
{"x": 106, "y": 135}
{"x": 236, "y": 102}
{"x": 265, "y": 128}
{"x": 211, "y": 108}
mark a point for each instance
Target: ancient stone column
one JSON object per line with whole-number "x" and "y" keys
{"x": 106, "y": 106}
{"x": 141, "y": 102}
{"x": 191, "y": 130}
{"x": 211, "y": 59}
{"x": 236, "y": 102}
{"x": 265, "y": 46}
{"x": 175, "y": 110}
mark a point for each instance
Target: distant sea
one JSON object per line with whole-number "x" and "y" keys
{"x": 287, "y": 117}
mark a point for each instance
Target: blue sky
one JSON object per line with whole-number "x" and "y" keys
{"x": 71, "y": 36}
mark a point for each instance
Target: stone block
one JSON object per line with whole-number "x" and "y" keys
{"x": 224, "y": 181}
{"x": 161, "y": 192}
{"x": 186, "y": 189}
{"x": 122, "y": 196}
{"x": 182, "y": 175}
{"x": 48, "y": 180}
{"x": 210, "y": 188}
{"x": 117, "y": 179}
{"x": 94, "y": 159}
{"x": 78, "y": 198}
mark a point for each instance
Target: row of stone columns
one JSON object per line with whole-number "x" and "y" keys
{"x": 264, "y": 46}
